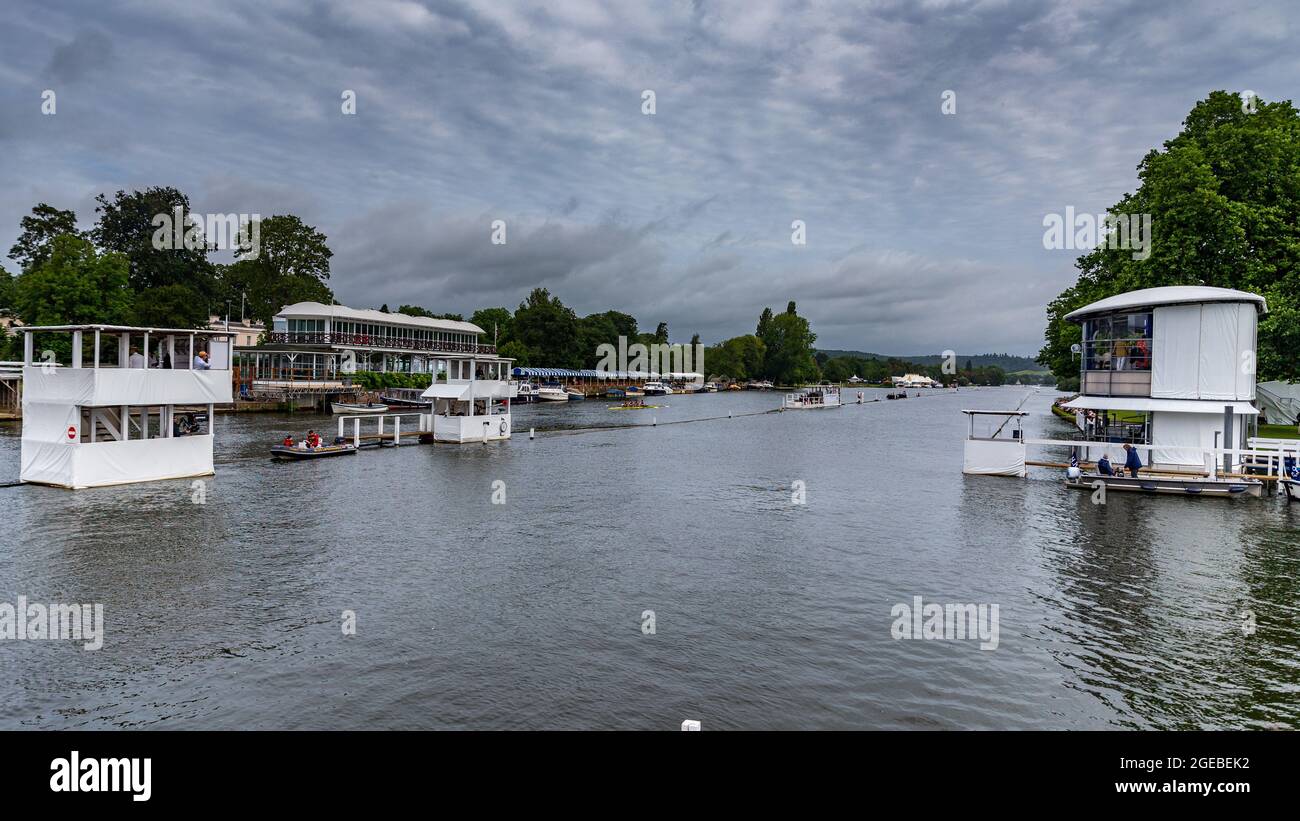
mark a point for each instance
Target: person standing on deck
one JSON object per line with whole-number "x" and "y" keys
{"x": 201, "y": 362}
{"x": 1133, "y": 462}
{"x": 136, "y": 360}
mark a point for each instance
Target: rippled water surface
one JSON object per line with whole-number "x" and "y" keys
{"x": 768, "y": 614}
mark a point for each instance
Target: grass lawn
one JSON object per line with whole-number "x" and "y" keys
{"x": 1278, "y": 432}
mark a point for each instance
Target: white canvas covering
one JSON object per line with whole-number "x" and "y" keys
{"x": 994, "y": 457}
{"x": 1175, "y": 351}
{"x": 471, "y": 428}
{"x": 1220, "y": 354}
{"x": 1280, "y": 402}
{"x": 96, "y": 464}
{"x": 1188, "y": 430}
{"x": 126, "y": 386}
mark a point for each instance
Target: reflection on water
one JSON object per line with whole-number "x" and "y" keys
{"x": 768, "y": 614}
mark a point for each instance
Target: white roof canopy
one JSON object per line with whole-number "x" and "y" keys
{"x": 1170, "y": 295}
{"x": 316, "y": 310}
{"x": 1145, "y": 404}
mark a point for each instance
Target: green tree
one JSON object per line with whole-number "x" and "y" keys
{"x": 518, "y": 352}
{"x": 75, "y": 285}
{"x": 38, "y": 232}
{"x": 6, "y": 291}
{"x": 128, "y": 225}
{"x": 788, "y": 342}
{"x": 291, "y": 264}
{"x": 739, "y": 358}
{"x": 548, "y": 330}
{"x": 499, "y": 319}
{"x": 1224, "y": 197}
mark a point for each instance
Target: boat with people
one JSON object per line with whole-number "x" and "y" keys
{"x": 1168, "y": 484}
{"x": 812, "y": 397}
{"x": 656, "y": 389}
{"x": 634, "y": 404}
{"x": 358, "y": 407}
{"x": 302, "y": 452}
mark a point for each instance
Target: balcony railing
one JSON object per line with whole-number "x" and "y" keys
{"x": 372, "y": 341}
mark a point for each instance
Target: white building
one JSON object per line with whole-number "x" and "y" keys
{"x": 312, "y": 341}
{"x": 125, "y": 404}
{"x": 1170, "y": 370}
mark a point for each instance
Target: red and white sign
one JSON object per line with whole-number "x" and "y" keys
{"x": 72, "y": 431}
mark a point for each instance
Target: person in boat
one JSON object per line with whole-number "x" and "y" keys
{"x": 288, "y": 441}
{"x": 313, "y": 440}
{"x": 1133, "y": 462}
{"x": 1103, "y": 466}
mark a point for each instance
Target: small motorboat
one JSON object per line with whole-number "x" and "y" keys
{"x": 296, "y": 453}
{"x": 526, "y": 393}
{"x": 575, "y": 394}
{"x": 405, "y": 398}
{"x": 356, "y": 407}
{"x": 656, "y": 389}
{"x": 552, "y": 392}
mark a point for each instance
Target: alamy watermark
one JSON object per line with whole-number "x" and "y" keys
{"x": 946, "y": 622}
{"x": 218, "y": 232}
{"x": 52, "y": 622}
{"x": 637, "y": 358}
{"x": 1084, "y": 232}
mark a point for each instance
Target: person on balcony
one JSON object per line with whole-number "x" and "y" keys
{"x": 136, "y": 359}
{"x": 201, "y": 362}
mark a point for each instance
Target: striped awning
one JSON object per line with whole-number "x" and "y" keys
{"x": 565, "y": 373}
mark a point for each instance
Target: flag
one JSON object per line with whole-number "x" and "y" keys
{"x": 1074, "y": 458}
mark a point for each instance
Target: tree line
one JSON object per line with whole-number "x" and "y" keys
{"x": 115, "y": 273}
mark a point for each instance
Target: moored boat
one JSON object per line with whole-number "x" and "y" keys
{"x": 552, "y": 392}
{"x": 1170, "y": 485}
{"x": 356, "y": 407}
{"x": 656, "y": 389}
{"x": 404, "y": 398}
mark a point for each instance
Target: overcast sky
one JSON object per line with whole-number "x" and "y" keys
{"x": 924, "y": 230}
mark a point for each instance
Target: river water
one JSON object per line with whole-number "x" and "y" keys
{"x": 532, "y": 613}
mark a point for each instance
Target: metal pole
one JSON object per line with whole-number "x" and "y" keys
{"x": 1227, "y": 438}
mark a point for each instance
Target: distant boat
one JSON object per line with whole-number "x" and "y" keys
{"x": 814, "y": 397}
{"x": 709, "y": 387}
{"x": 353, "y": 407}
{"x": 657, "y": 389}
{"x": 526, "y": 393}
{"x": 575, "y": 394}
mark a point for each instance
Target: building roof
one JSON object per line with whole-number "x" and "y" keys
{"x": 315, "y": 310}
{"x": 1169, "y": 295}
{"x": 1142, "y": 403}
{"x": 136, "y": 329}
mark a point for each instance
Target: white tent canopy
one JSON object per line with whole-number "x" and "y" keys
{"x": 1279, "y": 401}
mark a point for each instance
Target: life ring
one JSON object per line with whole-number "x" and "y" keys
{"x": 503, "y": 427}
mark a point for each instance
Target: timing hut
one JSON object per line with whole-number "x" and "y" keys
{"x": 110, "y": 404}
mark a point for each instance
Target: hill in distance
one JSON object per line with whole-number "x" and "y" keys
{"x": 1007, "y": 362}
